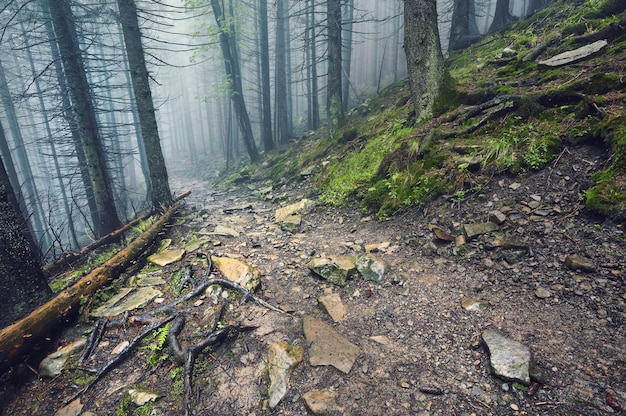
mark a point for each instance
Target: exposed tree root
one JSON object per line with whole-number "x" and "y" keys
{"x": 94, "y": 339}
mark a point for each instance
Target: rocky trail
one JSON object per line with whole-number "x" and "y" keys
{"x": 513, "y": 275}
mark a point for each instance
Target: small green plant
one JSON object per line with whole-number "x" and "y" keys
{"x": 157, "y": 347}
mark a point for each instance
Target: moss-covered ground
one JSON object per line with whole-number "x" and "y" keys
{"x": 384, "y": 162}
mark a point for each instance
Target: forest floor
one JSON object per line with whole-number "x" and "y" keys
{"x": 413, "y": 334}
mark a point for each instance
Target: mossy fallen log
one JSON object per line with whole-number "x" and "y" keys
{"x": 17, "y": 338}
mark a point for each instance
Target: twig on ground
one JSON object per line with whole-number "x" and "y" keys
{"x": 94, "y": 339}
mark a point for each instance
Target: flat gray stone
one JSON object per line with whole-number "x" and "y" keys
{"x": 574, "y": 55}
{"x": 576, "y": 262}
{"x": 128, "y": 299}
{"x": 298, "y": 207}
{"x": 509, "y": 359}
{"x": 335, "y": 269}
{"x": 327, "y": 346}
{"x": 332, "y": 304}
{"x": 371, "y": 267}
{"x": 53, "y": 363}
{"x": 474, "y": 230}
{"x": 282, "y": 358}
{"x": 323, "y": 403}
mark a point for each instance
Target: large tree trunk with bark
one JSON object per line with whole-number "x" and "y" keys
{"x": 160, "y": 192}
{"x": 334, "y": 104}
{"x": 84, "y": 112}
{"x": 233, "y": 72}
{"x": 426, "y": 70}
{"x": 463, "y": 29}
{"x": 22, "y": 283}
{"x": 502, "y": 16}
{"x": 281, "y": 101}
{"x": 23, "y": 334}
{"x": 266, "y": 87}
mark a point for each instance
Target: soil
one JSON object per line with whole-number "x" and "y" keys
{"x": 573, "y": 321}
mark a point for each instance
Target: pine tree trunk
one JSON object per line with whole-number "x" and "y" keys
{"x": 84, "y": 112}
{"x": 161, "y": 194}
{"x": 334, "y": 105}
{"x": 425, "y": 65}
{"x": 266, "y": 87}
{"x": 280, "y": 99}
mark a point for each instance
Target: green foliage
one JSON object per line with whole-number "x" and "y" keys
{"x": 156, "y": 348}
{"x": 128, "y": 408}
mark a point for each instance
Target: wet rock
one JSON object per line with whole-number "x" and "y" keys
{"x": 128, "y": 299}
{"x": 441, "y": 233}
{"x": 497, "y": 217}
{"x": 291, "y": 223}
{"x": 53, "y": 363}
{"x": 167, "y": 256}
{"x": 576, "y": 262}
{"x": 371, "y": 267}
{"x": 509, "y": 359}
{"x": 146, "y": 280}
{"x": 332, "y": 304}
{"x": 322, "y": 402}
{"x": 542, "y": 292}
{"x": 225, "y": 231}
{"x": 140, "y": 397}
{"x": 574, "y": 55}
{"x": 373, "y": 248}
{"x": 327, "y": 346}
{"x": 473, "y": 305}
{"x": 335, "y": 269}
{"x": 238, "y": 272}
{"x": 74, "y": 408}
{"x": 474, "y": 230}
{"x": 282, "y": 358}
{"x": 298, "y": 207}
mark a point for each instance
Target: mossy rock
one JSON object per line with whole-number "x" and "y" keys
{"x": 607, "y": 195}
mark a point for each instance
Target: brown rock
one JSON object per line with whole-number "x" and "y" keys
{"x": 322, "y": 402}
{"x": 327, "y": 346}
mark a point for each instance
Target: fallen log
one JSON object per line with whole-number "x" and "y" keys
{"x": 114, "y": 236}
{"x": 23, "y": 334}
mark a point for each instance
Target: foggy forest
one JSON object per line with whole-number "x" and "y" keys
{"x": 279, "y": 48}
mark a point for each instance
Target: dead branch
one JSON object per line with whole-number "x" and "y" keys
{"x": 101, "y": 372}
{"x": 23, "y": 334}
{"x": 94, "y": 339}
{"x": 532, "y": 55}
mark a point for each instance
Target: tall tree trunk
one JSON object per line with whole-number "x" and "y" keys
{"x": 68, "y": 115}
{"x": 347, "y": 54}
{"x": 83, "y": 109}
{"x": 234, "y": 80}
{"x": 22, "y": 284}
{"x": 426, "y": 71}
{"x": 502, "y": 16}
{"x": 280, "y": 98}
{"x": 161, "y": 194}
{"x": 334, "y": 106}
{"x": 266, "y": 87}
{"x": 463, "y": 28}
{"x": 31, "y": 194}
{"x": 315, "y": 116}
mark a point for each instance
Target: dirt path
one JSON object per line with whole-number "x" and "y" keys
{"x": 411, "y": 328}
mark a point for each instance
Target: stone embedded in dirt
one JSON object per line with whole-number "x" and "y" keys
{"x": 167, "y": 256}
{"x": 327, "y": 346}
{"x": 373, "y": 248}
{"x": 574, "y": 55}
{"x": 381, "y": 339}
{"x": 146, "y": 280}
{"x": 332, "y": 304}
{"x": 497, "y": 217}
{"x": 441, "y": 233}
{"x": 225, "y": 231}
{"x": 74, "y": 408}
{"x": 53, "y": 364}
{"x": 120, "y": 347}
{"x": 576, "y": 262}
{"x": 140, "y": 397}
{"x": 298, "y": 207}
{"x": 459, "y": 240}
{"x": 323, "y": 402}
{"x": 127, "y": 299}
{"x": 515, "y": 186}
{"x": 371, "y": 267}
{"x": 239, "y": 272}
{"x": 473, "y": 305}
{"x": 335, "y": 269}
{"x": 474, "y": 230}
{"x": 509, "y": 359}
{"x": 291, "y": 223}
{"x": 543, "y": 293}
{"x": 282, "y": 358}
{"x": 500, "y": 242}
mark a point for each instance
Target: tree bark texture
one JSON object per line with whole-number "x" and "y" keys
{"x": 266, "y": 88}
{"x": 84, "y": 111}
{"x": 425, "y": 64}
{"x": 281, "y": 111}
{"x": 22, "y": 283}
{"x": 234, "y": 80}
{"x": 502, "y": 16}
{"x": 334, "y": 104}
{"x": 463, "y": 29}
{"x": 160, "y": 191}
{"x": 23, "y": 334}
